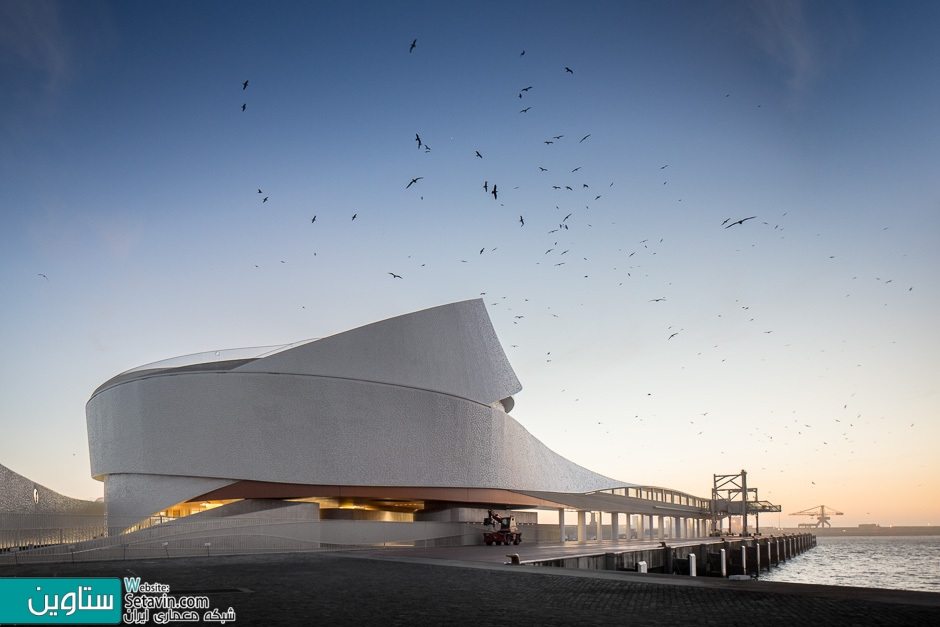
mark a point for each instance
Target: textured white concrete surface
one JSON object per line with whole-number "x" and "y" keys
{"x": 409, "y": 401}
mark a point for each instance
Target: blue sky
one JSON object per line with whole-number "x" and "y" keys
{"x": 805, "y": 346}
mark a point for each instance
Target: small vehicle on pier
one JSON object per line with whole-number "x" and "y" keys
{"x": 504, "y": 530}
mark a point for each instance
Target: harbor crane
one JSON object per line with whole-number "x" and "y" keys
{"x": 822, "y": 514}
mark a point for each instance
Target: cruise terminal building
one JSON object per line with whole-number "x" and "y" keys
{"x": 406, "y": 420}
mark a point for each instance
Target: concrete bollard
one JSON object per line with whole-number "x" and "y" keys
{"x": 724, "y": 563}
{"x": 743, "y": 560}
{"x": 692, "y": 564}
{"x": 641, "y": 567}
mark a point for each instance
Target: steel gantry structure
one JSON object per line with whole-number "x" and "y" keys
{"x": 732, "y": 497}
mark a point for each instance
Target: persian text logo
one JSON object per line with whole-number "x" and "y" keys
{"x": 145, "y": 602}
{"x": 60, "y": 601}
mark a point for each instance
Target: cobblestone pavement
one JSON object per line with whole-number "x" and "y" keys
{"x": 359, "y": 588}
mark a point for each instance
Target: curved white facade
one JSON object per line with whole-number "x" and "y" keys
{"x": 417, "y": 400}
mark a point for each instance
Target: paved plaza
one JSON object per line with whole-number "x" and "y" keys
{"x": 356, "y": 588}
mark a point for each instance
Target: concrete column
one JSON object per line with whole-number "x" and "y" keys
{"x": 615, "y": 526}
{"x": 561, "y": 523}
{"x": 662, "y": 527}
{"x": 582, "y": 526}
{"x": 650, "y": 522}
{"x": 600, "y": 526}
{"x": 640, "y": 527}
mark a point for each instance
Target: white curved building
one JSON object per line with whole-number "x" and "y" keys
{"x": 413, "y": 410}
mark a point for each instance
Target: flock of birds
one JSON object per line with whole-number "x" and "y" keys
{"x": 559, "y": 252}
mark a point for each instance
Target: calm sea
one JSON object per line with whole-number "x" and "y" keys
{"x": 904, "y": 563}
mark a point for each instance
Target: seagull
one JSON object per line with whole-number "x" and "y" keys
{"x": 413, "y": 181}
{"x": 526, "y": 88}
{"x": 354, "y": 216}
{"x": 486, "y": 186}
{"x": 741, "y": 221}
{"x": 522, "y": 53}
{"x": 313, "y": 220}
{"x": 47, "y": 278}
{"x": 576, "y": 169}
{"x": 521, "y": 221}
{"x": 395, "y": 276}
{"x": 543, "y": 169}
{"x": 494, "y": 192}
{"x": 585, "y": 137}
{"x": 526, "y": 110}
{"x": 656, "y": 300}
{"x": 558, "y": 136}
{"x": 481, "y": 250}
{"x": 418, "y": 139}
{"x": 478, "y": 154}
{"x": 244, "y": 85}
{"x": 413, "y": 44}
{"x": 244, "y": 105}
{"x": 548, "y": 142}
{"x": 664, "y": 167}
{"x": 566, "y": 217}
{"x": 264, "y": 200}
{"x": 569, "y": 70}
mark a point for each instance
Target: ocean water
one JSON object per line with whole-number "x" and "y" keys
{"x": 899, "y": 562}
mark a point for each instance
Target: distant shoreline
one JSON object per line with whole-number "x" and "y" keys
{"x": 857, "y": 531}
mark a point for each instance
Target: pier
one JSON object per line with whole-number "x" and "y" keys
{"x": 704, "y": 557}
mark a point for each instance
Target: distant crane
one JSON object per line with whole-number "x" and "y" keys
{"x": 821, "y": 512}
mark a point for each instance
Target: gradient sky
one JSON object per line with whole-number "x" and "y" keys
{"x": 801, "y": 345}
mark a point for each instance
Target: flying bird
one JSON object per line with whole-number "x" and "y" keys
{"x": 569, "y": 70}
{"x": 522, "y": 53}
{"x": 494, "y": 192}
{"x": 314, "y": 219}
{"x": 543, "y": 169}
{"x": 521, "y": 221}
{"x": 47, "y": 278}
{"x": 354, "y": 216}
{"x": 413, "y": 181}
{"x": 413, "y": 44}
{"x": 741, "y": 221}
{"x": 264, "y": 200}
{"x": 244, "y": 85}
{"x": 259, "y": 191}
{"x": 576, "y": 169}
{"x": 526, "y": 88}
{"x": 244, "y": 105}
{"x": 526, "y": 110}
{"x": 585, "y": 137}
{"x": 481, "y": 250}
{"x": 395, "y": 276}
{"x": 418, "y": 139}
{"x": 486, "y": 186}
{"x": 478, "y": 154}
